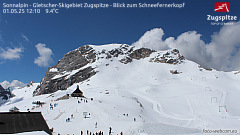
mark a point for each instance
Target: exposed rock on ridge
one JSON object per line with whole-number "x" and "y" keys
{"x": 77, "y": 66}
{"x": 59, "y": 76}
{"x": 170, "y": 57}
{"x": 5, "y": 94}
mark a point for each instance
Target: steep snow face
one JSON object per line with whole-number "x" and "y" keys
{"x": 139, "y": 96}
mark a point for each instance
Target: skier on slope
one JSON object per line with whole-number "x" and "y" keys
{"x": 110, "y": 130}
{"x": 96, "y": 125}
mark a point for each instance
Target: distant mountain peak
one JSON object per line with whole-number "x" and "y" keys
{"x": 15, "y": 83}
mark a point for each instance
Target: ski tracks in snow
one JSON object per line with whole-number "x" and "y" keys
{"x": 157, "y": 107}
{"x": 191, "y": 113}
{"x": 59, "y": 115}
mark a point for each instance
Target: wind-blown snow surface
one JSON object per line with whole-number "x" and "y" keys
{"x": 161, "y": 103}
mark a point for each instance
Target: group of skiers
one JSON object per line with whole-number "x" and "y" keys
{"x": 68, "y": 119}
{"x": 92, "y": 133}
{"x": 99, "y": 133}
{"x": 51, "y": 106}
{"x": 83, "y": 100}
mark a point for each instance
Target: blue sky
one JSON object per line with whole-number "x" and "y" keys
{"x": 72, "y": 28}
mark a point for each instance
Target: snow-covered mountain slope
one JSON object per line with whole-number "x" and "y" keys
{"x": 135, "y": 91}
{"x": 6, "y": 88}
{"x": 81, "y": 64}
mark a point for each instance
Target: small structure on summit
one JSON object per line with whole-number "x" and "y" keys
{"x": 77, "y": 93}
{"x": 14, "y": 109}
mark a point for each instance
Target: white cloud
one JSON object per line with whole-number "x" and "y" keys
{"x": 25, "y": 37}
{"x": 45, "y": 59}
{"x": 11, "y": 54}
{"x": 192, "y": 47}
{"x": 152, "y": 39}
{"x": 224, "y": 48}
{"x": 222, "y": 53}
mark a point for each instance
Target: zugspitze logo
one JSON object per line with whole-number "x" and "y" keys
{"x": 222, "y": 7}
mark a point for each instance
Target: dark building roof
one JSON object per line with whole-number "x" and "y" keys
{"x": 77, "y": 93}
{"x": 77, "y": 90}
{"x": 18, "y": 122}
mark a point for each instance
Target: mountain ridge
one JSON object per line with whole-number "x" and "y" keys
{"x": 77, "y": 65}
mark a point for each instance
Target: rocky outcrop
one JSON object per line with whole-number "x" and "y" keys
{"x": 174, "y": 72}
{"x": 1, "y": 88}
{"x": 170, "y": 57}
{"x": 136, "y": 54}
{"x": 30, "y": 84}
{"x": 126, "y": 60}
{"x": 69, "y": 70}
{"x": 201, "y": 68}
{"x": 127, "y": 52}
{"x": 5, "y": 94}
{"x": 124, "y": 49}
{"x": 237, "y": 72}
{"x": 141, "y": 53}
